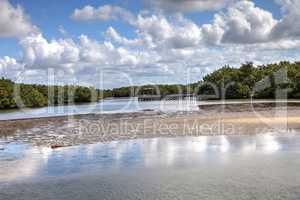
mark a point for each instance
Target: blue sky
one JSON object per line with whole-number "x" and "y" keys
{"x": 150, "y": 41}
{"x": 50, "y": 15}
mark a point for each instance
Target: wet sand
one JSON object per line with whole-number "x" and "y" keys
{"x": 94, "y": 128}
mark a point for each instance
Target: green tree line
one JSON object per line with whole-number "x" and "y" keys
{"x": 231, "y": 83}
{"x": 14, "y": 95}
{"x": 227, "y": 82}
{"x": 264, "y": 81}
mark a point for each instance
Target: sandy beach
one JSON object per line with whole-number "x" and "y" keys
{"x": 93, "y": 128}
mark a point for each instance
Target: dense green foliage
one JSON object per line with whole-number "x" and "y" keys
{"x": 227, "y": 82}
{"x": 14, "y": 95}
{"x": 6, "y": 94}
{"x": 146, "y": 90}
{"x": 31, "y": 97}
{"x": 265, "y": 81}
{"x": 231, "y": 83}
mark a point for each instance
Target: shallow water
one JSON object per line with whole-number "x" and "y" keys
{"x": 215, "y": 167}
{"x": 105, "y": 106}
{"x": 124, "y": 105}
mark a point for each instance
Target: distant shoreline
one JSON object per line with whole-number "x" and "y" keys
{"x": 206, "y": 105}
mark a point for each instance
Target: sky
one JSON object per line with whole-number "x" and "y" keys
{"x": 113, "y": 43}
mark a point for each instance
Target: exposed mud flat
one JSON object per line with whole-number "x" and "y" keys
{"x": 93, "y": 128}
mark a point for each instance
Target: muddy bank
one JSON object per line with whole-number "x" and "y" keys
{"x": 248, "y": 106}
{"x": 93, "y": 128}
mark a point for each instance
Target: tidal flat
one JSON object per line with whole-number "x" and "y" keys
{"x": 206, "y": 154}
{"x": 93, "y": 128}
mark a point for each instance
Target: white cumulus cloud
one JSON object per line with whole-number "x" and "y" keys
{"x": 243, "y": 23}
{"x": 187, "y": 5}
{"x": 113, "y": 35}
{"x": 9, "y": 67}
{"x": 289, "y": 25}
{"x": 164, "y": 48}
{"x": 40, "y": 53}
{"x": 105, "y": 13}
{"x": 13, "y": 21}
{"x": 157, "y": 31}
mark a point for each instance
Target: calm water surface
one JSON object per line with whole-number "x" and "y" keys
{"x": 105, "y": 106}
{"x": 215, "y": 167}
{"x": 118, "y": 106}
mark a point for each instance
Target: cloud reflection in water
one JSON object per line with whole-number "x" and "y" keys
{"x": 17, "y": 163}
